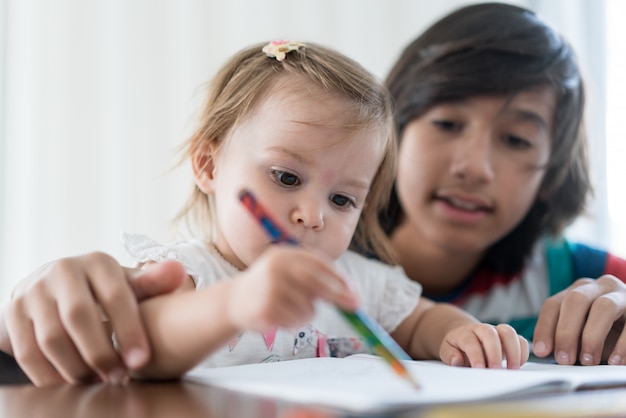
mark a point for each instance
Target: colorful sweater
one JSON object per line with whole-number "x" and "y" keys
{"x": 517, "y": 298}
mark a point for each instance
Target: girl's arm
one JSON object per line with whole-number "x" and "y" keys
{"x": 186, "y": 327}
{"x": 445, "y": 332}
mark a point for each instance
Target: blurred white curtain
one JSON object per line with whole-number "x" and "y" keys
{"x": 97, "y": 95}
{"x": 583, "y": 23}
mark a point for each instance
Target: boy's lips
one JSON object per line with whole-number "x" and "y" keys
{"x": 465, "y": 201}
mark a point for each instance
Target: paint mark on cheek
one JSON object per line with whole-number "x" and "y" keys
{"x": 328, "y": 176}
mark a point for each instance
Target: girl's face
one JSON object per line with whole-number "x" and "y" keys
{"x": 311, "y": 174}
{"x": 469, "y": 171}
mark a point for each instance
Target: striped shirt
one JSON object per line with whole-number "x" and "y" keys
{"x": 516, "y": 299}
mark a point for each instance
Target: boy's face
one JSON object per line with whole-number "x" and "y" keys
{"x": 469, "y": 171}
{"x": 311, "y": 174}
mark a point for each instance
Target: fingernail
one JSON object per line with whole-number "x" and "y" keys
{"x": 117, "y": 376}
{"x": 616, "y": 360}
{"x": 136, "y": 358}
{"x": 586, "y": 358}
{"x": 562, "y": 357}
{"x": 455, "y": 361}
{"x": 539, "y": 347}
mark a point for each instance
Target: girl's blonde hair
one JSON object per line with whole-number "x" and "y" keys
{"x": 250, "y": 75}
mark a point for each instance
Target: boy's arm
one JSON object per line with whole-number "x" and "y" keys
{"x": 584, "y": 322}
{"x": 53, "y": 325}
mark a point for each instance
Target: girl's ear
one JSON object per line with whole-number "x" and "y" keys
{"x": 203, "y": 165}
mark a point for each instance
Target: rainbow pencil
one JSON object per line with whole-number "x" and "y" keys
{"x": 375, "y": 336}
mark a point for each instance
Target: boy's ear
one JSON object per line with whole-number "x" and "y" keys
{"x": 203, "y": 165}
{"x": 543, "y": 193}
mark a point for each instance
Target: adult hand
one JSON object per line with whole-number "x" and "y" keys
{"x": 58, "y": 324}
{"x": 584, "y": 322}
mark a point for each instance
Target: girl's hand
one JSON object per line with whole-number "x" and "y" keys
{"x": 589, "y": 315}
{"x": 281, "y": 287}
{"x": 55, "y": 323}
{"x": 484, "y": 345}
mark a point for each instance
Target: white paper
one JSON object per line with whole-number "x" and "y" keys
{"x": 366, "y": 383}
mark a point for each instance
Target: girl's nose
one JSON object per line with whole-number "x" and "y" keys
{"x": 309, "y": 216}
{"x": 472, "y": 161}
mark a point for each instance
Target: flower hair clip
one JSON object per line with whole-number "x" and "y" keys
{"x": 280, "y": 49}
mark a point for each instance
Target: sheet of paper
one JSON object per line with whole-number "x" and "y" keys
{"x": 366, "y": 383}
{"x": 582, "y": 377}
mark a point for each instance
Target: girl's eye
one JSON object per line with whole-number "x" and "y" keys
{"x": 285, "y": 178}
{"x": 517, "y": 142}
{"x": 341, "y": 200}
{"x": 447, "y": 125}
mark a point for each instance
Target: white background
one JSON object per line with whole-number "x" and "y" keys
{"x": 97, "y": 95}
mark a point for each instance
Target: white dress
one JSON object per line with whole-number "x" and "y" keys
{"x": 385, "y": 292}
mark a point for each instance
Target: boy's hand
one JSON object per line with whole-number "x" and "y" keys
{"x": 589, "y": 315}
{"x": 55, "y": 323}
{"x": 273, "y": 292}
{"x": 483, "y": 345}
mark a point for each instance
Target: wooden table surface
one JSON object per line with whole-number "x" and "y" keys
{"x": 20, "y": 399}
{"x": 183, "y": 399}
{"x": 141, "y": 400}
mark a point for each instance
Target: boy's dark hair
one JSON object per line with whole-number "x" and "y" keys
{"x": 495, "y": 48}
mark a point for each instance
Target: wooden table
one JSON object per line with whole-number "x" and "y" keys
{"x": 181, "y": 399}
{"x": 141, "y": 400}
{"x": 19, "y": 399}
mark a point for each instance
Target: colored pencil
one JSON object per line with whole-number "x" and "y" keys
{"x": 375, "y": 336}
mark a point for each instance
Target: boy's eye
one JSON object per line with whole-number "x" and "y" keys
{"x": 286, "y": 178}
{"x": 516, "y": 142}
{"x": 341, "y": 200}
{"x": 446, "y": 125}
